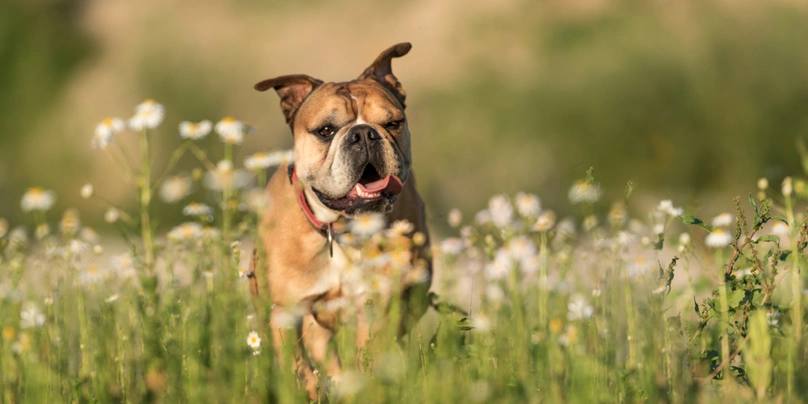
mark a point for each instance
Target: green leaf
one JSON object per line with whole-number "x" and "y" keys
{"x": 629, "y": 190}
{"x": 752, "y": 202}
{"x": 768, "y": 238}
{"x": 784, "y": 255}
{"x": 590, "y": 175}
{"x": 660, "y": 241}
{"x": 465, "y": 324}
{"x": 735, "y": 298}
{"x": 690, "y": 219}
{"x": 757, "y": 298}
{"x": 696, "y": 304}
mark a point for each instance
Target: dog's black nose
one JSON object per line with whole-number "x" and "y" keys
{"x": 361, "y": 133}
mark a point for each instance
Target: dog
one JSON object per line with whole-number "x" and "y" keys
{"x": 352, "y": 156}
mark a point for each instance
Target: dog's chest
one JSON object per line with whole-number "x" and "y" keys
{"x": 335, "y": 272}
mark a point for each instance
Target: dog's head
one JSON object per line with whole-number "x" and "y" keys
{"x": 352, "y": 143}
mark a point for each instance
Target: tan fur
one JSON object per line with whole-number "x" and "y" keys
{"x": 301, "y": 275}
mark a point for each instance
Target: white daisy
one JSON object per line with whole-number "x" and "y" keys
{"x": 482, "y": 217}
{"x": 365, "y": 225}
{"x": 253, "y": 340}
{"x": 401, "y": 227}
{"x": 545, "y": 221}
{"x": 31, "y": 317}
{"x": 231, "y": 130}
{"x": 194, "y": 131}
{"x": 175, "y": 188}
{"x": 521, "y": 248}
{"x": 581, "y": 191}
{"x": 91, "y": 275}
{"x": 780, "y": 228}
{"x": 112, "y": 298}
{"x": 684, "y": 239}
{"x": 590, "y": 222}
{"x": 455, "y": 217}
{"x": 578, "y": 308}
{"x": 87, "y": 191}
{"x": 89, "y": 235}
{"x": 37, "y": 199}
{"x": 226, "y": 177}
{"x": 787, "y": 187}
{"x": 105, "y": 131}
{"x": 185, "y": 232}
{"x": 638, "y": 266}
{"x": 500, "y": 267}
{"x": 211, "y": 233}
{"x": 528, "y": 205}
{"x": 667, "y": 207}
{"x": 255, "y": 200}
{"x": 281, "y": 158}
{"x": 501, "y": 210}
{"x": 722, "y": 220}
{"x": 258, "y": 161}
{"x": 148, "y": 115}
{"x": 763, "y": 184}
{"x": 112, "y": 215}
{"x": 196, "y": 209}
{"x": 718, "y": 238}
{"x": 452, "y": 246}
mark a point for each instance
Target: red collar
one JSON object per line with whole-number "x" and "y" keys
{"x": 326, "y": 229}
{"x": 301, "y": 200}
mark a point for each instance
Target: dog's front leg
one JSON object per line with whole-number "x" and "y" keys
{"x": 285, "y": 336}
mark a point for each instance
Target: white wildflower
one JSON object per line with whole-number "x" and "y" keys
{"x": 365, "y": 225}
{"x": 175, "y": 188}
{"x": 787, "y": 187}
{"x": 37, "y": 199}
{"x": 667, "y": 207}
{"x": 722, "y": 220}
{"x": 763, "y": 184}
{"x": 148, "y": 115}
{"x": 255, "y": 199}
{"x": 231, "y": 130}
{"x": 196, "y": 209}
{"x": 581, "y": 191}
{"x": 528, "y": 205}
{"x": 87, "y": 191}
{"x": 546, "y": 221}
{"x": 254, "y": 341}
{"x": 500, "y": 267}
{"x": 401, "y": 227}
{"x": 451, "y": 246}
{"x": 31, "y": 317}
{"x": 105, "y": 131}
{"x": 185, "y": 232}
{"x": 482, "y": 217}
{"x": 226, "y": 177}
{"x": 578, "y": 308}
{"x": 194, "y": 131}
{"x": 521, "y": 248}
{"x": 780, "y": 229}
{"x": 112, "y": 215}
{"x": 455, "y": 217}
{"x": 501, "y": 211}
{"x": 718, "y": 238}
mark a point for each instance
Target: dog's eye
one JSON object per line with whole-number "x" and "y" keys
{"x": 326, "y": 131}
{"x": 394, "y": 125}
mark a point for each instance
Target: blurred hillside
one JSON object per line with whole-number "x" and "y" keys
{"x": 689, "y": 99}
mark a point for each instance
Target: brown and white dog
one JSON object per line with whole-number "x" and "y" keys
{"x": 352, "y": 156}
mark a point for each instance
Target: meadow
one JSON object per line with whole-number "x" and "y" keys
{"x": 526, "y": 306}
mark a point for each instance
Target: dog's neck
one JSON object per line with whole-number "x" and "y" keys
{"x": 320, "y": 211}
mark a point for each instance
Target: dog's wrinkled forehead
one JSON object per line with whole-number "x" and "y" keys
{"x": 377, "y": 89}
{"x": 339, "y": 104}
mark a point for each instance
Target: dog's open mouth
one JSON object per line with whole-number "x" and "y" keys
{"x": 371, "y": 187}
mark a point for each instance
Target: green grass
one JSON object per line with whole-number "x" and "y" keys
{"x": 615, "y": 309}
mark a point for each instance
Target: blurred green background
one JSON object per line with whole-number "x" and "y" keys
{"x": 691, "y": 100}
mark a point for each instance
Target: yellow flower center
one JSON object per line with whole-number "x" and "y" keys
{"x": 107, "y": 121}
{"x": 36, "y": 192}
{"x": 92, "y": 269}
{"x": 228, "y": 119}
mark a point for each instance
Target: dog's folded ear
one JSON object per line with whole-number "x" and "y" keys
{"x": 382, "y": 71}
{"x": 292, "y": 89}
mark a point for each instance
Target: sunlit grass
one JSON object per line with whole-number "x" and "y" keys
{"x": 529, "y": 308}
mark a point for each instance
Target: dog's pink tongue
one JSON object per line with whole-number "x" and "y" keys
{"x": 390, "y": 184}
